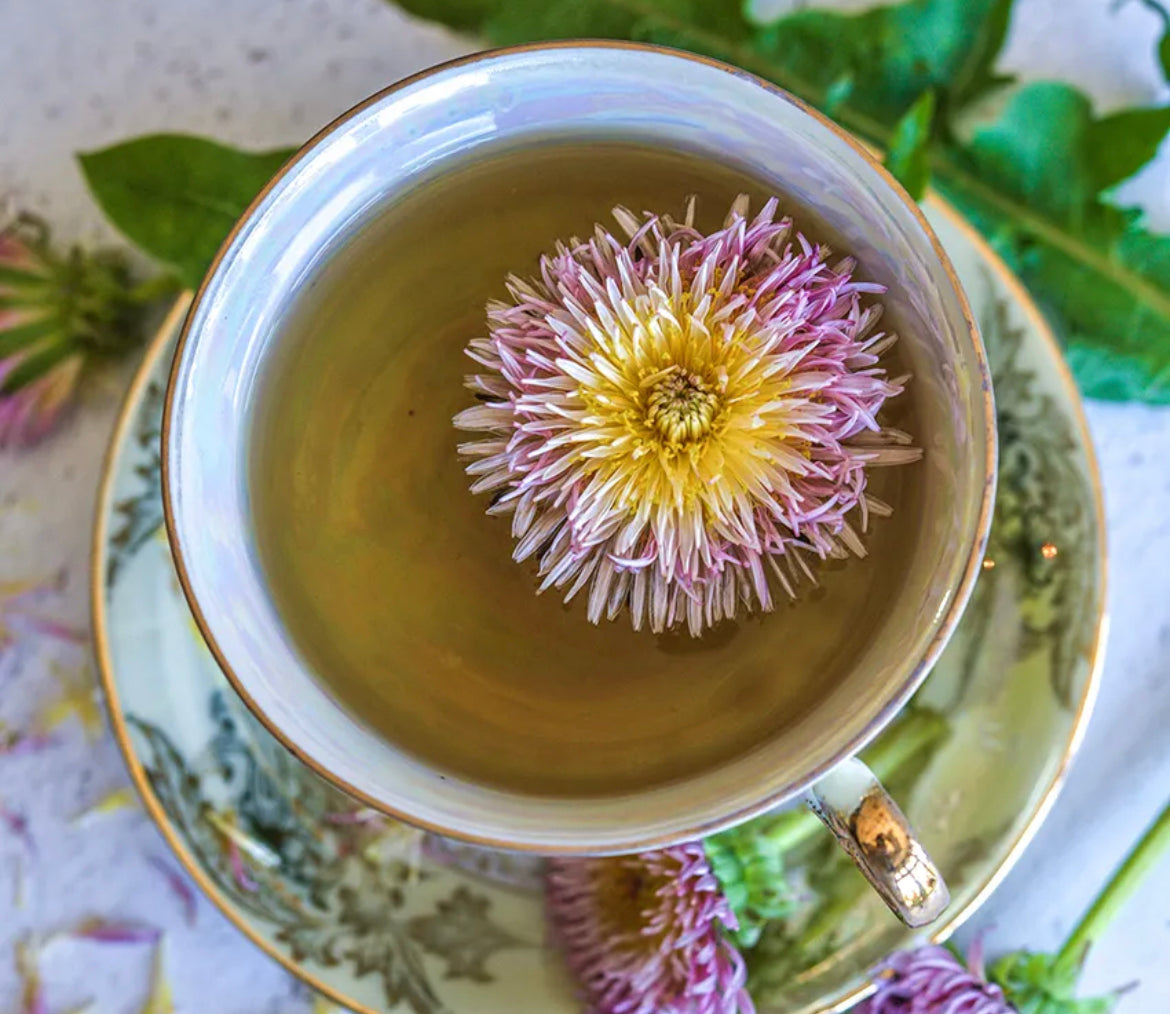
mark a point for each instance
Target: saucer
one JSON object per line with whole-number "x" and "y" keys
{"x": 382, "y": 918}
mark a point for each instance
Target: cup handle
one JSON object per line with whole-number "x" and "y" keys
{"x": 870, "y": 826}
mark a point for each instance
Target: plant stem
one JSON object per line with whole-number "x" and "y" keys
{"x": 1144, "y": 855}
{"x": 917, "y": 730}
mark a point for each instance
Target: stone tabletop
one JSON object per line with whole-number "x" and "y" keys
{"x": 80, "y": 74}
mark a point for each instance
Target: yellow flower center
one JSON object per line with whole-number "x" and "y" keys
{"x": 681, "y": 407}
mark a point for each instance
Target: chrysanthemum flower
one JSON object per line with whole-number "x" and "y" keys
{"x": 931, "y": 980}
{"x": 670, "y": 417}
{"x": 648, "y": 933}
{"x": 55, "y": 314}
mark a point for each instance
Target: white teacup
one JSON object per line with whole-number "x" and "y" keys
{"x": 334, "y": 185}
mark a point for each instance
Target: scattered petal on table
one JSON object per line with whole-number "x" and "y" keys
{"x": 19, "y": 883}
{"x": 240, "y": 872}
{"x": 180, "y": 888}
{"x": 78, "y": 698}
{"x": 116, "y": 931}
{"x": 124, "y": 798}
{"x": 14, "y": 743}
{"x": 13, "y": 596}
{"x": 53, "y": 628}
{"x": 17, "y": 823}
{"x": 16, "y": 600}
{"x": 32, "y": 997}
{"x": 160, "y": 1000}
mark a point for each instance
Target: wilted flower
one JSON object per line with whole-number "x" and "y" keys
{"x": 931, "y": 980}
{"x": 666, "y": 419}
{"x": 648, "y": 933}
{"x": 56, "y": 313}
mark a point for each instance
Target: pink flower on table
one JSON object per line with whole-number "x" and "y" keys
{"x": 56, "y": 313}
{"x": 647, "y": 934}
{"x": 675, "y": 420}
{"x": 28, "y": 413}
{"x": 931, "y": 980}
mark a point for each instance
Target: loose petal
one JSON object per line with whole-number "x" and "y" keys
{"x": 160, "y": 1000}
{"x": 32, "y": 996}
{"x": 124, "y": 798}
{"x": 240, "y": 872}
{"x": 180, "y": 887}
{"x": 115, "y": 931}
{"x": 14, "y": 743}
{"x": 78, "y": 699}
{"x": 17, "y": 824}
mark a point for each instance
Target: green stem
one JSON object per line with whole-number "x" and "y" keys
{"x": 1144, "y": 855}
{"x": 917, "y": 730}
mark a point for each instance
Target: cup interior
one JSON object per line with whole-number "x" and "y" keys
{"x": 341, "y": 181}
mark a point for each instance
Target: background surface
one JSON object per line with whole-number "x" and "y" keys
{"x": 80, "y": 74}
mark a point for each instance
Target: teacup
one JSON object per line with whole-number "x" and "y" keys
{"x": 335, "y": 185}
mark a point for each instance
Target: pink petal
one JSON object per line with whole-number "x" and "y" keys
{"x": 115, "y": 931}
{"x": 180, "y": 887}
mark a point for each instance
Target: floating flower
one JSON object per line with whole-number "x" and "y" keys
{"x": 648, "y": 933}
{"x": 56, "y": 313}
{"x": 669, "y": 418}
{"x": 931, "y": 980}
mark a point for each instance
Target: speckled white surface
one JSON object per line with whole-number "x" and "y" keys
{"x": 78, "y": 74}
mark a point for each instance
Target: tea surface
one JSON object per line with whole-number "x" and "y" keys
{"x": 402, "y": 593}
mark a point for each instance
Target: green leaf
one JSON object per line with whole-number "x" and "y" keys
{"x": 749, "y": 867}
{"x": 177, "y": 197}
{"x": 1041, "y": 984}
{"x": 909, "y": 155}
{"x": 1164, "y": 53}
{"x": 838, "y": 93}
{"x": 1120, "y": 144}
{"x": 1029, "y": 181}
{"x": 1037, "y": 149}
{"x": 897, "y": 52}
{"x": 506, "y": 22}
